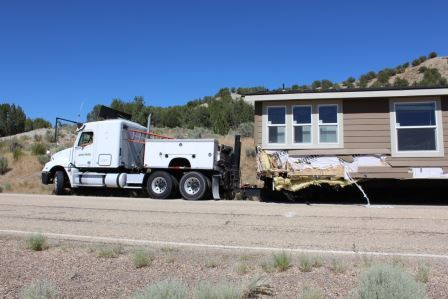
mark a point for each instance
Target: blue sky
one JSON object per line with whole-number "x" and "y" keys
{"x": 58, "y": 55}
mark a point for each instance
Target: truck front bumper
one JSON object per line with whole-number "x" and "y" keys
{"x": 46, "y": 177}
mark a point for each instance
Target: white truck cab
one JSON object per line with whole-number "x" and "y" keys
{"x": 118, "y": 153}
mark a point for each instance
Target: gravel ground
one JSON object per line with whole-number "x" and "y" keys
{"x": 77, "y": 272}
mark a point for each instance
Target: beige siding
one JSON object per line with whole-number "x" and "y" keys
{"x": 258, "y": 122}
{"x": 367, "y": 125}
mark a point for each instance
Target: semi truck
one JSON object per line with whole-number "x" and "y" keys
{"x": 119, "y": 153}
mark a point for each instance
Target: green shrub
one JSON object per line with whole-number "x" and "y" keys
{"x": 326, "y": 84}
{"x": 142, "y": 258}
{"x": 211, "y": 263}
{"x": 338, "y": 266}
{"x": 267, "y": 266}
{"x": 14, "y": 144}
{"x": 162, "y": 290}
{"x": 316, "y": 84}
{"x": 38, "y": 149}
{"x": 39, "y": 290}
{"x": 17, "y": 153}
{"x": 43, "y": 159}
{"x": 318, "y": 261}
{"x": 246, "y": 129}
{"x": 400, "y": 82}
{"x": 432, "y": 77}
{"x": 405, "y": 65}
{"x": 432, "y": 55}
{"x": 222, "y": 290}
{"x": 49, "y": 136}
{"x": 110, "y": 251}
{"x": 281, "y": 261}
{"x": 422, "y": 69}
{"x": 416, "y": 62}
{"x": 350, "y": 82}
{"x": 311, "y": 293}
{"x": 242, "y": 268}
{"x": 37, "y": 242}
{"x": 3, "y": 165}
{"x": 423, "y": 272}
{"x": 385, "y": 281}
{"x": 7, "y": 186}
{"x": 1, "y": 189}
{"x": 305, "y": 263}
{"x": 37, "y": 137}
{"x": 366, "y": 78}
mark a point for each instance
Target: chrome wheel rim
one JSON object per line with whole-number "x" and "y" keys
{"x": 192, "y": 186}
{"x": 159, "y": 185}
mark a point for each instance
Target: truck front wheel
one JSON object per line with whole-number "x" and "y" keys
{"x": 160, "y": 185}
{"x": 193, "y": 186}
{"x": 59, "y": 182}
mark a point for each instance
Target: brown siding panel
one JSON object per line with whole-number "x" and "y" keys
{"x": 366, "y": 124}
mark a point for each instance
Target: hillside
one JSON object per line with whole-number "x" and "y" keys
{"x": 415, "y": 74}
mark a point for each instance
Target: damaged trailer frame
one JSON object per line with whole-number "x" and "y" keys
{"x": 340, "y": 137}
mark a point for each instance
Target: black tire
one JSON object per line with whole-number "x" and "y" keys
{"x": 160, "y": 185}
{"x": 193, "y": 186}
{"x": 59, "y": 182}
{"x": 175, "y": 191}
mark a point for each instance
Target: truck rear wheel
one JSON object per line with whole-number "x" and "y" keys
{"x": 59, "y": 182}
{"x": 160, "y": 185}
{"x": 193, "y": 186}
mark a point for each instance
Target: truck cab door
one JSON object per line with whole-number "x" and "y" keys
{"x": 83, "y": 151}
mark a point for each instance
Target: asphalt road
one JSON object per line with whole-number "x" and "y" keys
{"x": 348, "y": 228}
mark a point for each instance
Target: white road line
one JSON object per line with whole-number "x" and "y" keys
{"x": 215, "y": 246}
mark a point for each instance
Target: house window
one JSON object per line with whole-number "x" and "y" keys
{"x": 302, "y": 124}
{"x": 277, "y": 125}
{"x": 416, "y": 126}
{"x": 328, "y": 123}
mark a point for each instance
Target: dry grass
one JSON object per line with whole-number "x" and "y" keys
{"x": 39, "y": 290}
{"x": 24, "y": 175}
{"x": 281, "y": 261}
{"x": 423, "y": 273}
{"x": 142, "y": 258}
{"x": 37, "y": 242}
{"x": 109, "y": 251}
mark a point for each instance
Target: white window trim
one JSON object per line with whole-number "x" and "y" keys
{"x": 289, "y": 145}
{"x": 302, "y": 125}
{"x": 328, "y": 124}
{"x": 276, "y": 125}
{"x": 439, "y": 152}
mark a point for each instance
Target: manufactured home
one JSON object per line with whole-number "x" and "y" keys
{"x": 342, "y": 136}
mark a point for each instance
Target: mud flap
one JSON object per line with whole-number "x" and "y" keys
{"x": 215, "y": 186}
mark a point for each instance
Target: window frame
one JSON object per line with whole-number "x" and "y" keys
{"x": 285, "y": 125}
{"x": 439, "y": 151}
{"x": 302, "y": 125}
{"x": 289, "y": 142}
{"x": 337, "y": 124}
{"x": 80, "y": 138}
